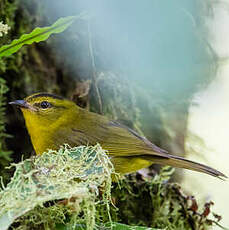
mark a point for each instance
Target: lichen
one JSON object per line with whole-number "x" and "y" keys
{"x": 71, "y": 189}
{"x": 57, "y": 187}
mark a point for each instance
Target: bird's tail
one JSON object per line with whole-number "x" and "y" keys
{"x": 180, "y": 162}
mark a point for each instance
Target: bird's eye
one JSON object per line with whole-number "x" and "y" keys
{"x": 45, "y": 105}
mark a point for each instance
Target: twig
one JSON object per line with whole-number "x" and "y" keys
{"x": 94, "y": 74}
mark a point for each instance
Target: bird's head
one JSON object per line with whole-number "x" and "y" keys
{"x": 43, "y": 109}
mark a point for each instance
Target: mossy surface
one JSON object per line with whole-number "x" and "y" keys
{"x": 158, "y": 203}
{"x": 57, "y": 187}
{"x": 72, "y": 187}
{"x": 4, "y": 153}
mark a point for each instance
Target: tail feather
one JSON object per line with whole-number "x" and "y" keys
{"x": 180, "y": 162}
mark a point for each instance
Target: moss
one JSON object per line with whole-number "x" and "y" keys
{"x": 72, "y": 187}
{"x": 4, "y": 153}
{"x": 159, "y": 204}
{"x": 57, "y": 187}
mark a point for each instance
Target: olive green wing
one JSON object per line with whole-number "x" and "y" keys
{"x": 118, "y": 139}
{"x": 124, "y": 141}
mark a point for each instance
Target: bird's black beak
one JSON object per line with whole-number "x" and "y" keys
{"x": 20, "y": 103}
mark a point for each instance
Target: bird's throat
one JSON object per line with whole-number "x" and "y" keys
{"x": 40, "y": 134}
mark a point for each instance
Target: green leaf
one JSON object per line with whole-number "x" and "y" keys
{"x": 38, "y": 35}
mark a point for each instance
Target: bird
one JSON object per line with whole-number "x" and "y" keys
{"x": 53, "y": 121}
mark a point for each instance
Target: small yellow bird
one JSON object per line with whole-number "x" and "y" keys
{"x": 53, "y": 121}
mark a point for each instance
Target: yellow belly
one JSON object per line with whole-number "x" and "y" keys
{"x": 125, "y": 165}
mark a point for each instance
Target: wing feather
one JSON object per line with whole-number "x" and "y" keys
{"x": 118, "y": 139}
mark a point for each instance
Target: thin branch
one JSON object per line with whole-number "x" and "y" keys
{"x": 94, "y": 74}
